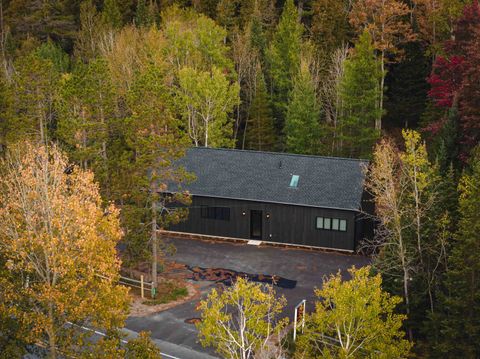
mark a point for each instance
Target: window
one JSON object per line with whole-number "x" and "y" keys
{"x": 319, "y": 222}
{"x": 334, "y": 224}
{"x": 326, "y": 223}
{"x": 221, "y": 213}
{"x": 294, "y": 181}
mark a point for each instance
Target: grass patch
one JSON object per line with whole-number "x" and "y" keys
{"x": 167, "y": 292}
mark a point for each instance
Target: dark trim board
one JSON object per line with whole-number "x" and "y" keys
{"x": 280, "y": 223}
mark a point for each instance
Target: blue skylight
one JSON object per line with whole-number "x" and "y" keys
{"x": 294, "y": 181}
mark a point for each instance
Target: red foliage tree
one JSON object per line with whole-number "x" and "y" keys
{"x": 455, "y": 78}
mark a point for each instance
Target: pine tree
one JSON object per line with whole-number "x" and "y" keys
{"x": 359, "y": 95}
{"x": 460, "y": 325}
{"x": 386, "y": 21}
{"x": 330, "y": 28}
{"x": 86, "y": 105}
{"x": 154, "y": 140}
{"x": 283, "y": 58}
{"x": 59, "y": 58}
{"x": 145, "y": 14}
{"x": 111, "y": 14}
{"x": 302, "y": 128}
{"x": 32, "y": 92}
{"x": 260, "y": 129}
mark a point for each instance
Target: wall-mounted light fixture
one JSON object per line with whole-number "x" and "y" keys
{"x": 268, "y": 215}
{"x": 243, "y": 213}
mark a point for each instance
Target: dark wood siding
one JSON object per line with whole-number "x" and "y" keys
{"x": 281, "y": 223}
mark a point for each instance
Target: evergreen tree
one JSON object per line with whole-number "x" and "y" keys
{"x": 460, "y": 325}
{"x": 359, "y": 95}
{"x": 260, "y": 128}
{"x": 330, "y": 28}
{"x": 42, "y": 20}
{"x": 302, "y": 128}
{"x": 49, "y": 51}
{"x": 111, "y": 14}
{"x": 154, "y": 140}
{"x": 31, "y": 112}
{"x": 146, "y": 14}
{"x": 283, "y": 58}
{"x": 86, "y": 105}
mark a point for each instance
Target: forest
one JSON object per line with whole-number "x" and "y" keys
{"x": 123, "y": 87}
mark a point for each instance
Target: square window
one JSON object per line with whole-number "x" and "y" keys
{"x": 335, "y": 224}
{"x": 319, "y": 222}
{"x": 343, "y": 225}
{"x": 326, "y": 223}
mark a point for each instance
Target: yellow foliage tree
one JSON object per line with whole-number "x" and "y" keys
{"x": 242, "y": 321}
{"x": 354, "y": 319}
{"x": 57, "y": 246}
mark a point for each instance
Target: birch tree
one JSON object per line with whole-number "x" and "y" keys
{"x": 390, "y": 190}
{"x": 242, "y": 320}
{"x": 205, "y": 100}
{"x": 354, "y": 318}
{"x": 59, "y": 245}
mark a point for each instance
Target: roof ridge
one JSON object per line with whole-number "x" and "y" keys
{"x": 280, "y": 153}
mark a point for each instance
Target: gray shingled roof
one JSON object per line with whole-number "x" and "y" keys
{"x": 265, "y": 176}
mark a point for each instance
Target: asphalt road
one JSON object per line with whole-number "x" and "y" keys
{"x": 307, "y": 267}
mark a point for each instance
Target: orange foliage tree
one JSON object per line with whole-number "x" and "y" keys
{"x": 57, "y": 249}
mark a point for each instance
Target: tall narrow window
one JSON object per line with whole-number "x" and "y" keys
{"x": 319, "y": 222}
{"x": 335, "y": 224}
{"x": 326, "y": 223}
{"x": 294, "y": 181}
{"x": 343, "y": 225}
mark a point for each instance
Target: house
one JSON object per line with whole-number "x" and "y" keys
{"x": 275, "y": 197}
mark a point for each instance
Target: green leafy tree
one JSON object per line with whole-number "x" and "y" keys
{"x": 283, "y": 58}
{"x": 354, "y": 319}
{"x": 142, "y": 347}
{"x": 205, "y": 99}
{"x": 414, "y": 229}
{"x": 239, "y": 321}
{"x": 194, "y": 40}
{"x": 460, "y": 320}
{"x": 359, "y": 96}
{"x": 260, "y": 129}
{"x": 302, "y": 126}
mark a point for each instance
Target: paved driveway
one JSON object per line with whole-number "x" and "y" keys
{"x": 304, "y": 266}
